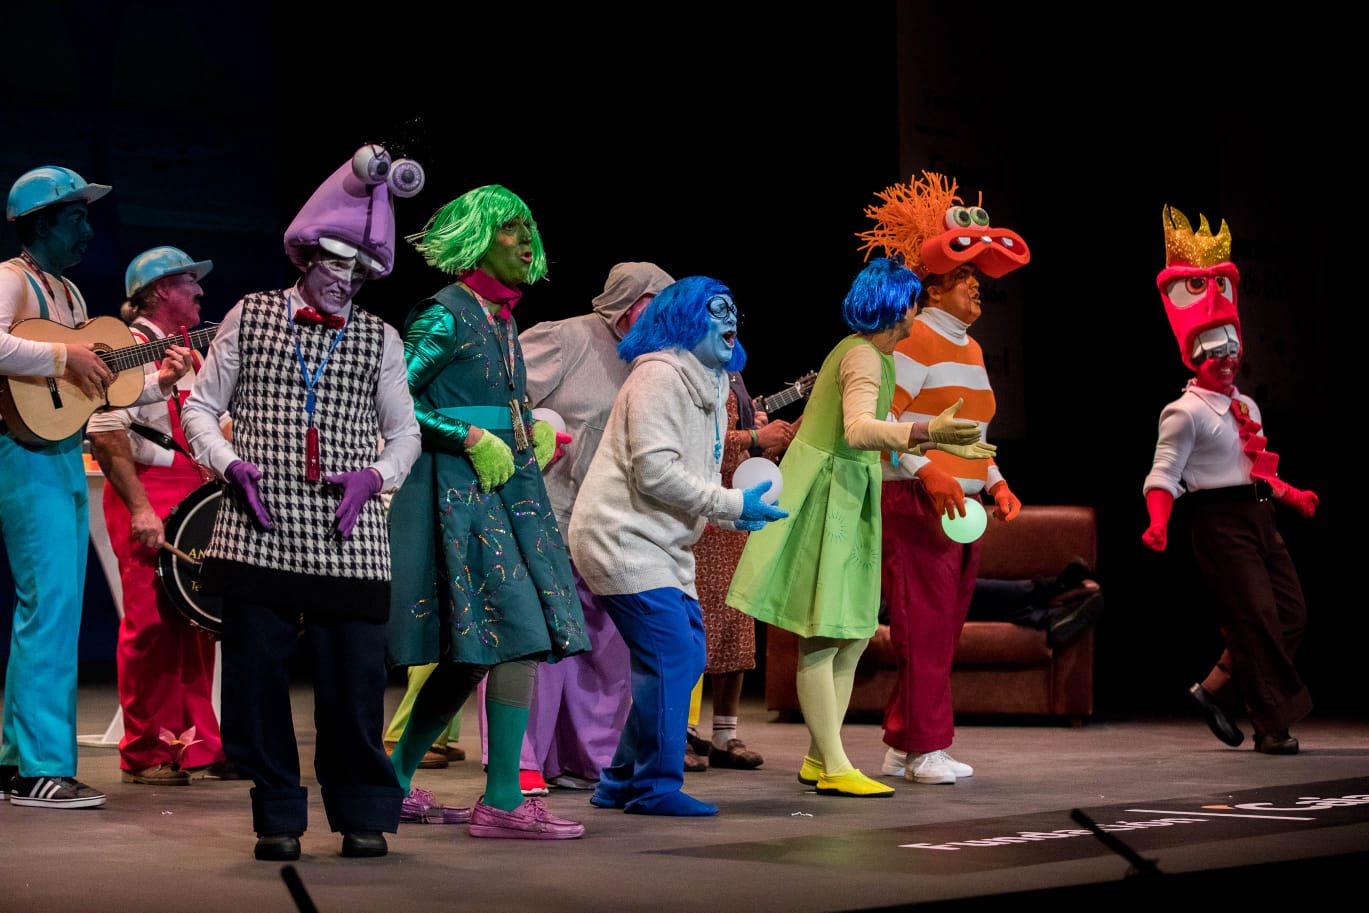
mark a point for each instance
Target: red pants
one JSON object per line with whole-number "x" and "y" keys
{"x": 928, "y": 580}
{"x": 165, "y": 665}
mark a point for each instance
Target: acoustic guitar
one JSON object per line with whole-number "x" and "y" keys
{"x": 796, "y": 391}
{"x": 43, "y": 410}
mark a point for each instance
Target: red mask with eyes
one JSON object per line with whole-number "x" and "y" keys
{"x": 1198, "y": 283}
{"x": 1198, "y": 298}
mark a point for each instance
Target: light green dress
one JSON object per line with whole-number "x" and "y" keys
{"x": 817, "y": 573}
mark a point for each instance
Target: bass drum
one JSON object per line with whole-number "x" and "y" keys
{"x": 188, "y": 528}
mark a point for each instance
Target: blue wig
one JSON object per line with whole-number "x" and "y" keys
{"x": 677, "y": 317}
{"x": 880, "y": 295}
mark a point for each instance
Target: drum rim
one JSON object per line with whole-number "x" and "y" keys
{"x": 167, "y": 562}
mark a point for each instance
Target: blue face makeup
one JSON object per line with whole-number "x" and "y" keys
{"x": 715, "y": 349}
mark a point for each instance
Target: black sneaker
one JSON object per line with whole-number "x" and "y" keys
{"x": 7, "y": 774}
{"x": 54, "y": 792}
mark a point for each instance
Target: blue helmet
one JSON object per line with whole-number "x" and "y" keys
{"x": 49, "y": 185}
{"x": 151, "y": 265}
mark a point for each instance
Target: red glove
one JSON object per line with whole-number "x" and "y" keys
{"x": 1005, "y": 502}
{"x": 1159, "y": 504}
{"x": 1304, "y": 502}
{"x": 946, "y": 492}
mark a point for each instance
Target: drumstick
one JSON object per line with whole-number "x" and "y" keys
{"x": 179, "y": 554}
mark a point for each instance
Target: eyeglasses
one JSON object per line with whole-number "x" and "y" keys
{"x": 721, "y": 306}
{"x": 347, "y": 269}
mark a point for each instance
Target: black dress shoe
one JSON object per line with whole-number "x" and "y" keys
{"x": 364, "y": 843}
{"x": 1218, "y": 720}
{"x": 278, "y": 847}
{"x": 1276, "y": 743}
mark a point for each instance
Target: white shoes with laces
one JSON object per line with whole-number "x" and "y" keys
{"x": 933, "y": 767}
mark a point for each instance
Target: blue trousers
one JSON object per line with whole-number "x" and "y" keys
{"x": 664, "y": 631}
{"x": 45, "y": 520}
{"x": 347, "y": 664}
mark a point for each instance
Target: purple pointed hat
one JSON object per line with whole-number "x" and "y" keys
{"x": 348, "y": 217}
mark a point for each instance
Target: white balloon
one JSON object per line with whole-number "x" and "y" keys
{"x": 756, "y": 470}
{"x": 551, "y": 416}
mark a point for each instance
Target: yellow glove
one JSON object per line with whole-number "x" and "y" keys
{"x": 947, "y": 429}
{"x": 976, "y": 451}
{"x": 492, "y": 459}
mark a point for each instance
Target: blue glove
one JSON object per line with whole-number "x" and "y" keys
{"x": 357, "y": 488}
{"x": 755, "y": 512}
{"x": 246, "y": 476}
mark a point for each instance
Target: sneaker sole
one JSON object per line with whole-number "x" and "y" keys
{"x": 485, "y": 830}
{"x": 89, "y": 802}
{"x": 942, "y": 780}
{"x": 838, "y": 792}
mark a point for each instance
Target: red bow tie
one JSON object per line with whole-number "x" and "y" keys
{"x": 308, "y": 315}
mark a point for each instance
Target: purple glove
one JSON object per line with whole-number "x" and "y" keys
{"x": 357, "y": 488}
{"x": 245, "y": 475}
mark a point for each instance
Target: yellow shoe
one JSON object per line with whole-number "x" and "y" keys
{"x": 810, "y": 771}
{"x": 852, "y": 783}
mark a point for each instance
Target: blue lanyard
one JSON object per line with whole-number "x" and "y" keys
{"x": 310, "y": 382}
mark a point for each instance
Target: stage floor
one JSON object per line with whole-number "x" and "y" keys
{"x": 1196, "y": 816}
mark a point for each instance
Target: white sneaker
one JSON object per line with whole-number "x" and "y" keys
{"x": 930, "y": 768}
{"x": 895, "y": 763}
{"x": 958, "y": 768}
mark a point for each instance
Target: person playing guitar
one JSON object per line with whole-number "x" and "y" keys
{"x": 44, "y": 512}
{"x": 145, "y": 460}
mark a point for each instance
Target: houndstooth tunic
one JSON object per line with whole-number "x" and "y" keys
{"x": 303, "y": 560}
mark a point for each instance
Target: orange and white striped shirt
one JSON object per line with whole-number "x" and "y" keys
{"x": 936, "y": 365}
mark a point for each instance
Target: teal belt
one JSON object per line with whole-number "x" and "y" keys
{"x": 494, "y": 418}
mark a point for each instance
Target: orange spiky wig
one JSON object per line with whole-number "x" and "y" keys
{"x": 925, "y": 224}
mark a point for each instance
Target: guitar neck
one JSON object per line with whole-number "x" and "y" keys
{"x": 120, "y": 360}
{"x": 779, "y": 400}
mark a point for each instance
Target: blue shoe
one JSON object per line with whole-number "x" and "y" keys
{"x": 601, "y": 799}
{"x": 677, "y": 804}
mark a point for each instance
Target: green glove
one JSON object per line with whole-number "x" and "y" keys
{"x": 947, "y": 429}
{"x": 492, "y": 459}
{"x": 976, "y": 451}
{"x": 543, "y": 442}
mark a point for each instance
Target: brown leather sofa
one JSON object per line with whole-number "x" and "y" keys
{"x": 999, "y": 668}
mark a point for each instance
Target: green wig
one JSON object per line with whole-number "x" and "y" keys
{"x": 460, "y": 233}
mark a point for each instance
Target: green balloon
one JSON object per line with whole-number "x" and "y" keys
{"x": 968, "y": 528}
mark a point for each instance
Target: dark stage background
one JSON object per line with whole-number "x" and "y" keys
{"x": 744, "y": 141}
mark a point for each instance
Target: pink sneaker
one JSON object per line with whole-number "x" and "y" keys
{"x": 529, "y": 821}
{"x": 420, "y": 807}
